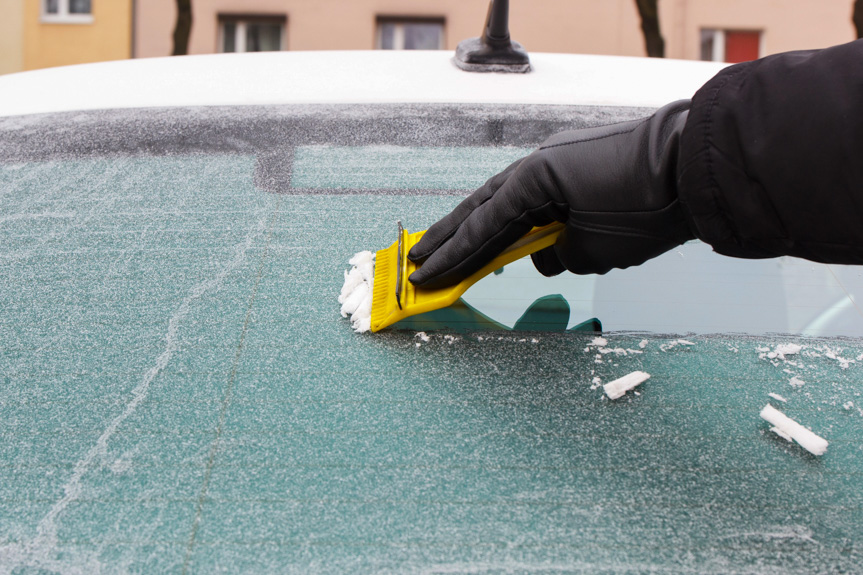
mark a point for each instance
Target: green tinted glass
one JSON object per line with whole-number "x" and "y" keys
{"x": 179, "y": 393}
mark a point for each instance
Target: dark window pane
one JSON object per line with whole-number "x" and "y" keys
{"x": 263, "y": 37}
{"x": 229, "y": 37}
{"x": 707, "y": 40}
{"x": 422, "y": 36}
{"x": 388, "y": 33}
{"x": 79, "y": 6}
{"x": 52, "y": 6}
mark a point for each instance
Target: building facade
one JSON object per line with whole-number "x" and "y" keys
{"x": 11, "y": 36}
{"x": 736, "y": 30}
{"x": 728, "y": 30}
{"x": 43, "y": 33}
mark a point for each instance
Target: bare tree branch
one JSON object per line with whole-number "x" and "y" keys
{"x": 183, "y": 28}
{"x": 653, "y": 41}
{"x": 857, "y": 17}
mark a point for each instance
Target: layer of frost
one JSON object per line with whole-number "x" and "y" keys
{"x": 789, "y": 429}
{"x": 357, "y": 291}
{"x": 619, "y": 387}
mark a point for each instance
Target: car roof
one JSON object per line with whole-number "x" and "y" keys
{"x": 339, "y": 77}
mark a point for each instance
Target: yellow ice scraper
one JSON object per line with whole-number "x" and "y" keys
{"x": 395, "y": 298}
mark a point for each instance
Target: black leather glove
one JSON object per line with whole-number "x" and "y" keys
{"x": 614, "y": 187}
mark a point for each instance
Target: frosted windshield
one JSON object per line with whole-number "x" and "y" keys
{"x": 178, "y": 392}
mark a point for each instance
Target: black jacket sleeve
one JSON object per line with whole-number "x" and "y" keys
{"x": 771, "y": 157}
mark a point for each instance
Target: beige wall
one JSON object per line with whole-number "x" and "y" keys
{"x": 577, "y": 26}
{"x": 541, "y": 25}
{"x": 108, "y": 37}
{"x": 580, "y": 26}
{"x": 11, "y": 36}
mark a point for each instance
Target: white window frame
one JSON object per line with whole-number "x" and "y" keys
{"x": 240, "y": 24}
{"x": 718, "y": 54}
{"x": 63, "y": 16}
{"x": 399, "y": 30}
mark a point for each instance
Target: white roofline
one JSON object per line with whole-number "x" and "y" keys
{"x": 336, "y": 77}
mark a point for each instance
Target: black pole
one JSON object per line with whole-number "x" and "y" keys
{"x": 498, "y": 20}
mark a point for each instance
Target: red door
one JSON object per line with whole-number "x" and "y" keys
{"x": 741, "y": 46}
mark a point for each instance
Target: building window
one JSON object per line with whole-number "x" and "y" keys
{"x": 410, "y": 33}
{"x": 67, "y": 11}
{"x": 732, "y": 46}
{"x": 252, "y": 33}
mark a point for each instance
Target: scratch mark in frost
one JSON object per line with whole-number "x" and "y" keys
{"x": 36, "y": 552}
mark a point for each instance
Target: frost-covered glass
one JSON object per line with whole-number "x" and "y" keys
{"x": 177, "y": 386}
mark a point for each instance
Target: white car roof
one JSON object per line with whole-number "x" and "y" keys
{"x": 341, "y": 77}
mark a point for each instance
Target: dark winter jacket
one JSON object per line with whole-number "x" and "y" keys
{"x": 772, "y": 157}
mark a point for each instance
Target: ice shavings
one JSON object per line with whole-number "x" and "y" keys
{"x": 789, "y": 429}
{"x": 834, "y": 354}
{"x": 778, "y": 397}
{"x": 357, "y": 291}
{"x": 672, "y": 344}
{"x": 781, "y": 355}
{"x": 619, "y": 387}
{"x": 779, "y": 352}
{"x": 600, "y": 344}
{"x": 796, "y": 382}
{"x": 615, "y": 350}
{"x": 787, "y": 349}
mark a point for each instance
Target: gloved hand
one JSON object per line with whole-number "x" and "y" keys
{"x": 614, "y": 187}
